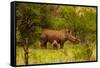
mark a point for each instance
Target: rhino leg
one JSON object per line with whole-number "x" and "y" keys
{"x": 55, "y": 44}
{"x": 61, "y": 45}
{"x": 43, "y": 44}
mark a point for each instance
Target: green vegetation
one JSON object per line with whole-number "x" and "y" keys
{"x": 70, "y": 53}
{"x": 32, "y": 19}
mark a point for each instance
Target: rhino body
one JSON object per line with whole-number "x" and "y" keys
{"x": 56, "y": 37}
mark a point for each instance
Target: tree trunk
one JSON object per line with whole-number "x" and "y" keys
{"x": 26, "y": 57}
{"x": 25, "y": 47}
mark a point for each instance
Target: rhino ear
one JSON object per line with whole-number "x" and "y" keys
{"x": 66, "y": 30}
{"x": 69, "y": 31}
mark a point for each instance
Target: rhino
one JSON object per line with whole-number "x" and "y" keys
{"x": 56, "y": 37}
{"x": 55, "y": 44}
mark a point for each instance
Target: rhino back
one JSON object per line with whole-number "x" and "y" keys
{"x": 54, "y": 34}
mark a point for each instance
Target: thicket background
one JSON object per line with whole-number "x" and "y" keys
{"x": 31, "y": 19}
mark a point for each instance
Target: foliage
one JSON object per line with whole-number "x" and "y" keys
{"x": 32, "y": 19}
{"x": 70, "y": 53}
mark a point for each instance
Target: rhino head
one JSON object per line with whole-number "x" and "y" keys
{"x": 71, "y": 37}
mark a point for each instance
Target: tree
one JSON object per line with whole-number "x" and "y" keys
{"x": 81, "y": 21}
{"x": 26, "y": 23}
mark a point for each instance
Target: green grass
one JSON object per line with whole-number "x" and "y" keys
{"x": 70, "y": 53}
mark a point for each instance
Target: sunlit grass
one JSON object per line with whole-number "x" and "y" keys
{"x": 70, "y": 53}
